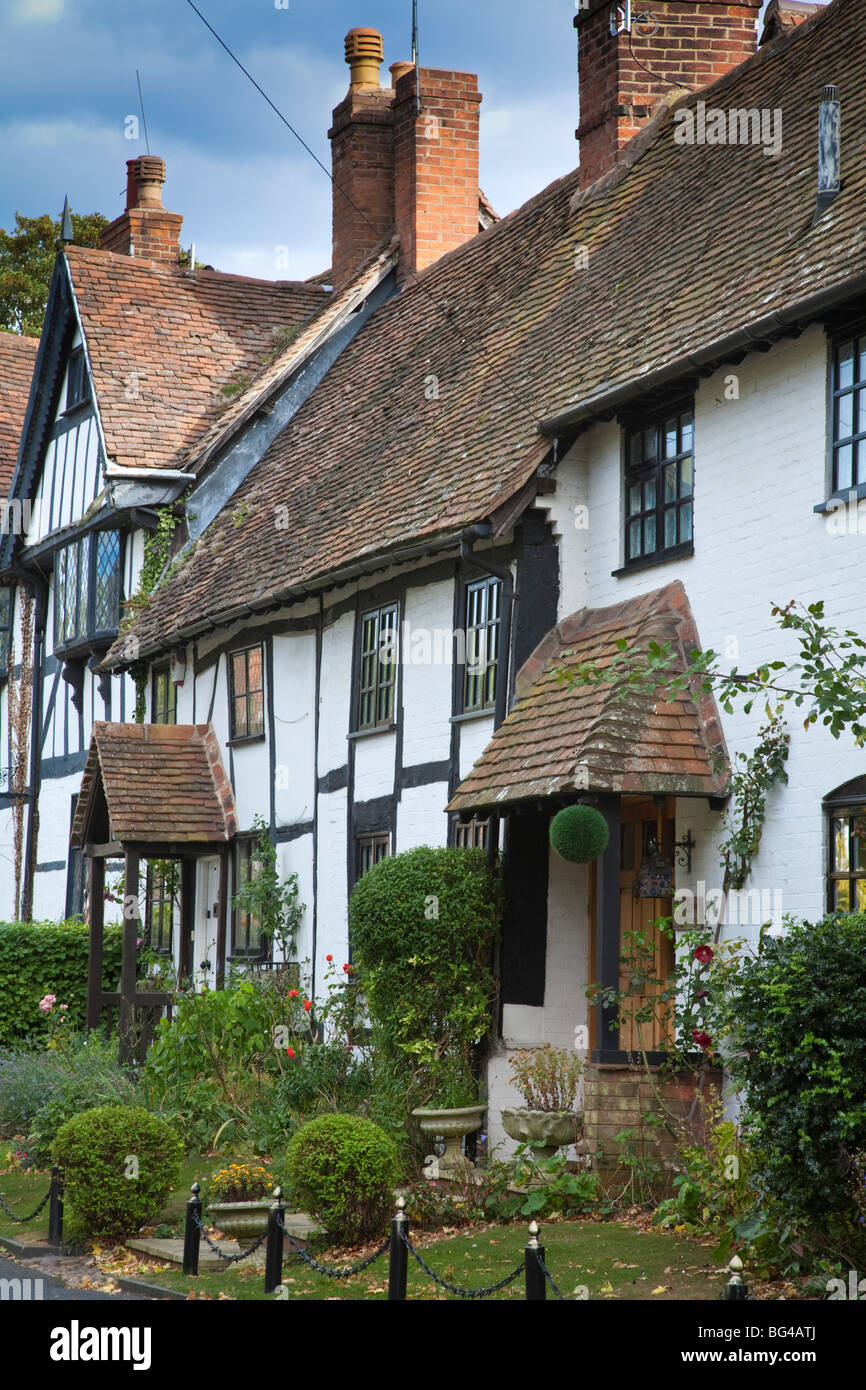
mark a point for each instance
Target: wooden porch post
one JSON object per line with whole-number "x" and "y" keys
{"x": 128, "y": 964}
{"x": 187, "y": 918}
{"x": 222, "y": 919}
{"x": 607, "y": 947}
{"x": 96, "y": 887}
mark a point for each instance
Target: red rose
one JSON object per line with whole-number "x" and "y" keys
{"x": 348, "y": 969}
{"x": 293, "y": 993}
{"x": 702, "y": 1039}
{"x": 308, "y": 1004}
{"x": 704, "y": 954}
{"x": 290, "y": 1051}
{"x": 329, "y": 957}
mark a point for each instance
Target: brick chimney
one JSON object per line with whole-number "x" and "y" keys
{"x": 435, "y": 164}
{"x": 400, "y": 171}
{"x": 145, "y": 229}
{"x": 692, "y": 42}
{"x": 782, "y": 15}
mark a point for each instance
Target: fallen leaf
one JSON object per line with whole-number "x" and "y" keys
{"x": 662, "y": 1288}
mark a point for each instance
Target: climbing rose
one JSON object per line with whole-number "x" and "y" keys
{"x": 348, "y": 969}
{"x": 308, "y": 1004}
{"x": 47, "y": 1003}
{"x": 293, "y": 993}
{"x": 290, "y": 1051}
{"x": 702, "y": 1039}
{"x": 329, "y": 957}
{"x": 704, "y": 954}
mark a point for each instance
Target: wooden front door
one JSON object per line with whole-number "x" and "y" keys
{"x": 643, "y": 824}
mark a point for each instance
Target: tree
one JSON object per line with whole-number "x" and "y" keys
{"x": 27, "y": 262}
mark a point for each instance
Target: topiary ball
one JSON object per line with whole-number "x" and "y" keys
{"x": 579, "y": 833}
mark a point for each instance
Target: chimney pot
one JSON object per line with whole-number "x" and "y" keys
{"x": 399, "y": 70}
{"x": 365, "y": 54}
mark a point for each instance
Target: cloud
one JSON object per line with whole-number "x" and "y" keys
{"x": 38, "y": 11}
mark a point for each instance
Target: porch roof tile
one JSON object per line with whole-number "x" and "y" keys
{"x": 162, "y": 783}
{"x": 622, "y": 739}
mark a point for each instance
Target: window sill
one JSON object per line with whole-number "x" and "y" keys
{"x": 242, "y": 740}
{"x": 681, "y": 552}
{"x": 471, "y": 715}
{"x": 840, "y": 499}
{"x": 371, "y": 733}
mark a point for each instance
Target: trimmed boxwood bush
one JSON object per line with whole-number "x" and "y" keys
{"x": 579, "y": 834}
{"x": 422, "y": 927}
{"x": 94, "y": 1150}
{"x": 798, "y": 1022}
{"x": 342, "y": 1170}
{"x": 39, "y": 958}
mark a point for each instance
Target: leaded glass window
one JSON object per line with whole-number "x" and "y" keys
{"x": 849, "y": 414}
{"x": 377, "y": 679}
{"x": 847, "y": 880}
{"x": 247, "y": 693}
{"x": 659, "y": 486}
{"x": 483, "y": 605}
{"x": 163, "y": 697}
{"x": 87, "y": 588}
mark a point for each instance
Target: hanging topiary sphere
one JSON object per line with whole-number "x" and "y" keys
{"x": 579, "y": 833}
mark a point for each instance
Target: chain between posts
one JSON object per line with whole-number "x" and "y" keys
{"x": 455, "y": 1288}
{"x": 21, "y": 1220}
{"x": 347, "y": 1272}
{"x": 228, "y": 1259}
{"x": 550, "y": 1279}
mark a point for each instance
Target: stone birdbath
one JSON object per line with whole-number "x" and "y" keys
{"x": 452, "y": 1126}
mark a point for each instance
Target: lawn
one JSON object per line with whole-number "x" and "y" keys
{"x": 611, "y": 1260}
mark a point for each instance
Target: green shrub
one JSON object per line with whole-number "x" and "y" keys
{"x": 39, "y": 958}
{"x": 113, "y": 1086}
{"x": 95, "y": 1151}
{"x": 422, "y": 925}
{"x": 798, "y": 1018}
{"x": 579, "y": 833}
{"x": 342, "y": 1170}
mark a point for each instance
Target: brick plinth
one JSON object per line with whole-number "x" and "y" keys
{"x": 619, "y": 1097}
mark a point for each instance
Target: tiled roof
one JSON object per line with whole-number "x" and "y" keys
{"x": 162, "y": 783}
{"x": 17, "y": 360}
{"x": 169, "y": 349}
{"x": 562, "y": 739}
{"x": 431, "y": 418}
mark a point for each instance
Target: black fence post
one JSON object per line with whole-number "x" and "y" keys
{"x": 533, "y": 1257}
{"x": 55, "y": 1208}
{"x": 274, "y": 1247}
{"x": 398, "y": 1259}
{"x": 192, "y": 1232}
{"x": 735, "y": 1289}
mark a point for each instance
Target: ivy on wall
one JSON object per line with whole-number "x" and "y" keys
{"x": 20, "y": 704}
{"x": 155, "y": 565}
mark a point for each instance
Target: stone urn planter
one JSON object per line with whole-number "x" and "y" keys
{"x": 452, "y": 1126}
{"x": 241, "y": 1221}
{"x": 544, "y": 1131}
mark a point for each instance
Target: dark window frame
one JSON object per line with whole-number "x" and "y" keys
{"x": 368, "y": 845}
{"x": 376, "y": 680}
{"x": 77, "y": 383}
{"x": 241, "y": 923}
{"x": 160, "y": 709}
{"x": 156, "y": 896}
{"x": 248, "y": 734}
{"x": 477, "y": 689}
{"x": 77, "y": 623}
{"x": 646, "y": 463}
{"x": 846, "y": 808}
{"x": 471, "y": 834}
{"x": 855, "y": 438}
{"x": 76, "y": 872}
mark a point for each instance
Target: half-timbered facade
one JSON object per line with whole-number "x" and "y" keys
{"x": 628, "y": 410}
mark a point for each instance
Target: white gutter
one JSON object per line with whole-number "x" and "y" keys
{"x": 170, "y": 475}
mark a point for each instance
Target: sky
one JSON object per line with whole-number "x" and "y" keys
{"x": 245, "y": 186}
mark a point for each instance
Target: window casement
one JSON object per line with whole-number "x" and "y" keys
{"x": 370, "y": 850}
{"x": 377, "y": 667}
{"x": 75, "y": 872}
{"x": 472, "y": 834}
{"x": 159, "y": 906}
{"x": 482, "y": 621}
{"x": 163, "y": 697}
{"x": 77, "y": 391}
{"x": 247, "y": 668}
{"x": 659, "y": 486}
{"x": 87, "y": 588}
{"x": 248, "y": 939}
{"x": 5, "y": 626}
{"x": 849, "y": 414}
{"x": 846, "y": 877}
